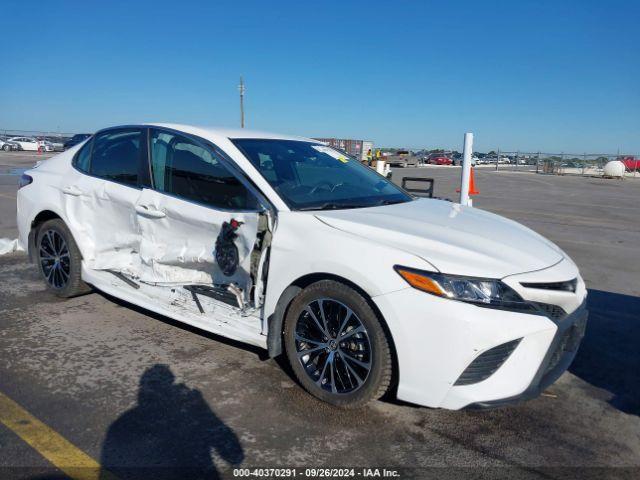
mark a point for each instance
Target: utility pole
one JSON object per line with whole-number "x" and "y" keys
{"x": 241, "y": 89}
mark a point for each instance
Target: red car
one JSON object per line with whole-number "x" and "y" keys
{"x": 632, "y": 164}
{"x": 440, "y": 160}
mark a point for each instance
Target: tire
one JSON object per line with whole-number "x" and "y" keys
{"x": 59, "y": 260}
{"x": 6, "y": 148}
{"x": 352, "y": 365}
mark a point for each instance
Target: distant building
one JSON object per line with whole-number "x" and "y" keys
{"x": 355, "y": 148}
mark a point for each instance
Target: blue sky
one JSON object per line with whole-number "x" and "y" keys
{"x": 528, "y": 75}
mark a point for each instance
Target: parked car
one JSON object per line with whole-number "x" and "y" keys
{"x": 631, "y": 164}
{"x": 56, "y": 143}
{"x": 46, "y": 145}
{"x": 76, "y": 139}
{"x": 402, "y": 158}
{"x": 440, "y": 160}
{"x": 26, "y": 143}
{"x": 7, "y": 145}
{"x": 287, "y": 244}
{"x": 458, "y": 159}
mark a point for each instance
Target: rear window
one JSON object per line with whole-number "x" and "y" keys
{"x": 116, "y": 156}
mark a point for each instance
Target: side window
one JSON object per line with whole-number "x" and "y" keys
{"x": 185, "y": 169}
{"x": 116, "y": 155}
{"x": 81, "y": 161}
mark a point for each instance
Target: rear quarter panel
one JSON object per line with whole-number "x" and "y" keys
{"x": 44, "y": 193}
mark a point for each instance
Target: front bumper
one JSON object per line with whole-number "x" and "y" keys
{"x": 561, "y": 353}
{"x": 436, "y": 339}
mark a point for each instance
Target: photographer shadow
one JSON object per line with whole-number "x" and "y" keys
{"x": 609, "y": 356}
{"x": 170, "y": 433}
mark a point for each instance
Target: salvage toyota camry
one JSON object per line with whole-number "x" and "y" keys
{"x": 285, "y": 243}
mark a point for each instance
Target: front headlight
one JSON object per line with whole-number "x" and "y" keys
{"x": 484, "y": 292}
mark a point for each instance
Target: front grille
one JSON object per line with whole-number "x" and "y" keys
{"x": 560, "y": 349}
{"x": 554, "y": 312}
{"x": 569, "y": 342}
{"x": 487, "y": 363}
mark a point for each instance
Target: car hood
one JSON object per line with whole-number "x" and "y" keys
{"x": 453, "y": 238}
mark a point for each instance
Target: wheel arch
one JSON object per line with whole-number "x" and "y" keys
{"x": 275, "y": 331}
{"x": 38, "y": 220}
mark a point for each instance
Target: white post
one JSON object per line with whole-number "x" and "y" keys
{"x": 466, "y": 169}
{"x": 380, "y": 164}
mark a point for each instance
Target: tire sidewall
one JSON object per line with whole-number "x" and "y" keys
{"x": 380, "y": 360}
{"x": 74, "y": 257}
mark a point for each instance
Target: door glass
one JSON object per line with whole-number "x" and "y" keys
{"x": 187, "y": 170}
{"x": 116, "y": 155}
{"x": 81, "y": 162}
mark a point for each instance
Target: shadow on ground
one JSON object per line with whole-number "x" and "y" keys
{"x": 609, "y": 356}
{"x": 171, "y": 433}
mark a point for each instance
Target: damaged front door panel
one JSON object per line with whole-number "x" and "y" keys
{"x": 227, "y": 255}
{"x": 183, "y": 248}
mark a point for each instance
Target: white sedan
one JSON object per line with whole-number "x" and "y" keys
{"x": 285, "y": 243}
{"x": 26, "y": 143}
{"x": 32, "y": 144}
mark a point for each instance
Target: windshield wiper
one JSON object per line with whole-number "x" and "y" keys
{"x": 388, "y": 202}
{"x": 334, "y": 206}
{"x": 340, "y": 206}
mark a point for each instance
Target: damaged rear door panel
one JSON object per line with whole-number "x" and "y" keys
{"x": 107, "y": 191}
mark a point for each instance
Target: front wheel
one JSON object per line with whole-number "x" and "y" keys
{"x": 6, "y": 148}
{"x": 337, "y": 346}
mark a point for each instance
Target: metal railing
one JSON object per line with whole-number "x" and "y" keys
{"x": 584, "y": 164}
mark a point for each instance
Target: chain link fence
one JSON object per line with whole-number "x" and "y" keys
{"x": 6, "y": 132}
{"x": 585, "y": 164}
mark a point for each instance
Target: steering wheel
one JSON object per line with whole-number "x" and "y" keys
{"x": 321, "y": 184}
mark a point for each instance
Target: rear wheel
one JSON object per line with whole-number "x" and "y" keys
{"x": 59, "y": 259}
{"x": 336, "y": 345}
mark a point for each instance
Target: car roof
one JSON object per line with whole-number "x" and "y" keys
{"x": 214, "y": 134}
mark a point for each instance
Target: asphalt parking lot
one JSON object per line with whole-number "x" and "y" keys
{"x": 132, "y": 389}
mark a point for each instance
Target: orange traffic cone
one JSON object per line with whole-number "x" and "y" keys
{"x": 472, "y": 185}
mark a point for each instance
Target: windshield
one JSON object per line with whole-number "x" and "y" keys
{"x": 311, "y": 176}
